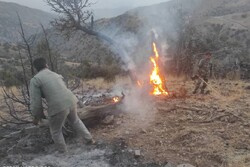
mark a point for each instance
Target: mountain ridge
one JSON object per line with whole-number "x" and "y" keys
{"x": 31, "y": 19}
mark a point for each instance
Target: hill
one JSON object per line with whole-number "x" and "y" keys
{"x": 219, "y": 26}
{"x": 31, "y": 18}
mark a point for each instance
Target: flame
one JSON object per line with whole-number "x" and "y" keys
{"x": 156, "y": 79}
{"x": 116, "y": 99}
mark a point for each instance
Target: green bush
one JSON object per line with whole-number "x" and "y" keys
{"x": 10, "y": 78}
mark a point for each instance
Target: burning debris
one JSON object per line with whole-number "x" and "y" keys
{"x": 156, "y": 79}
{"x": 116, "y": 99}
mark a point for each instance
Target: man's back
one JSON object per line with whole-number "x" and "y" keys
{"x": 204, "y": 67}
{"x": 54, "y": 90}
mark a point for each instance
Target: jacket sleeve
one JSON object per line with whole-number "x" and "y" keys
{"x": 36, "y": 99}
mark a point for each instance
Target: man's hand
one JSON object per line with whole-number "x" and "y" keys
{"x": 36, "y": 121}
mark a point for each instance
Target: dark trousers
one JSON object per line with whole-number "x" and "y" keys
{"x": 200, "y": 84}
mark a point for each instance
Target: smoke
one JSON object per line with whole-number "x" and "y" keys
{"x": 134, "y": 32}
{"x": 139, "y": 104}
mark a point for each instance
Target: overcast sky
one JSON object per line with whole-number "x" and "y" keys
{"x": 40, "y": 4}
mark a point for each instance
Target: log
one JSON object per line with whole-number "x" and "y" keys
{"x": 92, "y": 115}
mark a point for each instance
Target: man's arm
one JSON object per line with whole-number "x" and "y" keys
{"x": 36, "y": 99}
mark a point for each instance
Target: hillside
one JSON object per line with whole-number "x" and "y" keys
{"x": 31, "y": 18}
{"x": 108, "y": 13}
{"x": 132, "y": 28}
{"x": 225, "y": 22}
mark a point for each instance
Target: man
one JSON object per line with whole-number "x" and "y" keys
{"x": 204, "y": 69}
{"x": 62, "y": 104}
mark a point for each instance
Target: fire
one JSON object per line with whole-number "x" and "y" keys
{"x": 156, "y": 79}
{"x": 116, "y": 99}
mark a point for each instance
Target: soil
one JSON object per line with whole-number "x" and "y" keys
{"x": 202, "y": 130}
{"x": 210, "y": 130}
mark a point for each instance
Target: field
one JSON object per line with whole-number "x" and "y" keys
{"x": 203, "y": 130}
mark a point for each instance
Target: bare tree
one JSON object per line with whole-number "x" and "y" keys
{"x": 51, "y": 60}
{"x": 74, "y": 15}
{"x": 18, "y": 102}
{"x": 27, "y": 42}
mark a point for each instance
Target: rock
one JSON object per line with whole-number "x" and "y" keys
{"x": 185, "y": 165}
{"x": 108, "y": 120}
{"x": 137, "y": 153}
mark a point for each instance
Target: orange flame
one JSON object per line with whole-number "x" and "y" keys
{"x": 156, "y": 79}
{"x": 116, "y": 99}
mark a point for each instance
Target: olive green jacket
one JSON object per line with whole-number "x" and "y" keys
{"x": 49, "y": 85}
{"x": 204, "y": 68}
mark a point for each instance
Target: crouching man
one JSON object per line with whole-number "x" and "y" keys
{"x": 62, "y": 104}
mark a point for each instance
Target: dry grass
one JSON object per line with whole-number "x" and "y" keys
{"x": 100, "y": 83}
{"x": 211, "y": 130}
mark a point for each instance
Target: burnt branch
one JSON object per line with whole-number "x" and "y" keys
{"x": 13, "y": 113}
{"x": 49, "y": 49}
{"x": 27, "y": 44}
{"x": 18, "y": 102}
{"x": 24, "y": 72}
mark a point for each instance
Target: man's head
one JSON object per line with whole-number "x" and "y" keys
{"x": 40, "y": 64}
{"x": 208, "y": 55}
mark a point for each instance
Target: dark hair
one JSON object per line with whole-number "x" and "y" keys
{"x": 40, "y": 63}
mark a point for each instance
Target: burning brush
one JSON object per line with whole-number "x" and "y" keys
{"x": 156, "y": 77}
{"x": 118, "y": 99}
{"x": 157, "y": 80}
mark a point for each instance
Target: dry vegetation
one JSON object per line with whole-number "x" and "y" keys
{"x": 211, "y": 130}
{"x": 203, "y": 130}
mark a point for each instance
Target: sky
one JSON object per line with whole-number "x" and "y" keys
{"x": 40, "y": 4}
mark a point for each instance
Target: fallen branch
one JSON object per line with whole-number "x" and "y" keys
{"x": 92, "y": 115}
{"x": 89, "y": 115}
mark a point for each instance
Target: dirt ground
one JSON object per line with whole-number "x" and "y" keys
{"x": 203, "y": 130}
